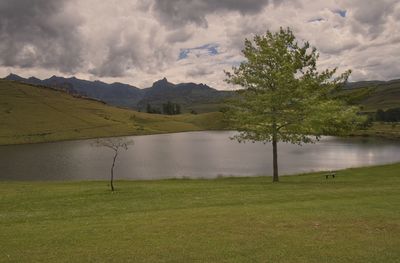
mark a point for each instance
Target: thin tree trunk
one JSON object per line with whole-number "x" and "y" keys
{"x": 275, "y": 159}
{"x": 112, "y": 172}
{"x": 275, "y": 177}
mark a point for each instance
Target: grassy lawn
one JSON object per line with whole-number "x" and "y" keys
{"x": 352, "y": 218}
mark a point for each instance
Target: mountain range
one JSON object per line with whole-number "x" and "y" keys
{"x": 191, "y": 96}
{"x": 200, "y": 97}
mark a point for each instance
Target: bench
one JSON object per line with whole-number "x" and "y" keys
{"x": 331, "y": 174}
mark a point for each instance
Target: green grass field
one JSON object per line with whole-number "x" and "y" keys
{"x": 352, "y": 218}
{"x": 30, "y": 114}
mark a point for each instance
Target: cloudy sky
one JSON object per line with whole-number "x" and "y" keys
{"x": 138, "y": 42}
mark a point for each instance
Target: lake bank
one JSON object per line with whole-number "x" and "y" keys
{"x": 186, "y": 123}
{"x": 382, "y": 130}
{"x": 305, "y": 218}
{"x": 144, "y": 124}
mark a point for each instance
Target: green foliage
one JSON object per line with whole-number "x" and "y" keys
{"x": 390, "y": 115}
{"x": 353, "y": 218}
{"x": 152, "y": 110}
{"x": 171, "y": 108}
{"x": 285, "y": 97}
{"x": 168, "y": 108}
{"x": 355, "y": 96}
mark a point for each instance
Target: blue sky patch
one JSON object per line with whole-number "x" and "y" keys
{"x": 342, "y": 13}
{"x": 211, "y": 48}
{"x": 183, "y": 54}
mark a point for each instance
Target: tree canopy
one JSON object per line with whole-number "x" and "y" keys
{"x": 285, "y": 98}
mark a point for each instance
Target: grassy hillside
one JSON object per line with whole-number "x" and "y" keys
{"x": 352, "y": 218}
{"x": 372, "y": 96}
{"x": 32, "y": 114}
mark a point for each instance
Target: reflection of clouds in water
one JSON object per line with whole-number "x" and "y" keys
{"x": 371, "y": 156}
{"x": 333, "y": 153}
{"x": 195, "y": 154}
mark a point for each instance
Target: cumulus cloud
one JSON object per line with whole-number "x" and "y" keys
{"x": 179, "y": 12}
{"x": 369, "y": 16}
{"x": 39, "y": 33}
{"x": 141, "y": 41}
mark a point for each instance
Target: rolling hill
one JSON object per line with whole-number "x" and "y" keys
{"x": 191, "y": 96}
{"x": 30, "y": 114}
{"x": 373, "y": 95}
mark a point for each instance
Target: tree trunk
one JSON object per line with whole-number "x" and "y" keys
{"x": 112, "y": 172}
{"x": 275, "y": 177}
{"x": 275, "y": 159}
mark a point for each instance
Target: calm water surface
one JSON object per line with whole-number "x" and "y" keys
{"x": 188, "y": 155}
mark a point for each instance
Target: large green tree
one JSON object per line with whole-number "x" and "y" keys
{"x": 284, "y": 97}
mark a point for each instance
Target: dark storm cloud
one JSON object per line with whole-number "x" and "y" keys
{"x": 180, "y": 12}
{"x": 136, "y": 40}
{"x": 39, "y": 33}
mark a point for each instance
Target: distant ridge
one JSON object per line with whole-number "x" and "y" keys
{"x": 190, "y": 95}
{"x": 199, "y": 97}
{"x": 370, "y": 83}
{"x": 116, "y": 94}
{"x": 185, "y": 94}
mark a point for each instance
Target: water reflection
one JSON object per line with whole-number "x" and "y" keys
{"x": 192, "y": 155}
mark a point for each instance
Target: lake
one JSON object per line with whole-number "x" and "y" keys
{"x": 207, "y": 154}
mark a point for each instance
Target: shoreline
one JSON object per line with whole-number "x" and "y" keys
{"x": 355, "y": 134}
{"x": 117, "y": 136}
{"x": 186, "y": 179}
